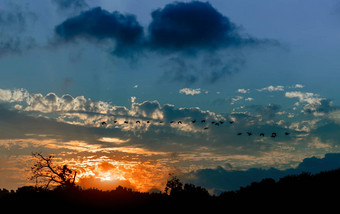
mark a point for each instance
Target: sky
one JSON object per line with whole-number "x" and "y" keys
{"x": 128, "y": 91}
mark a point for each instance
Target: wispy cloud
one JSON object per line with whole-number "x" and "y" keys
{"x": 190, "y": 91}
{"x": 272, "y": 88}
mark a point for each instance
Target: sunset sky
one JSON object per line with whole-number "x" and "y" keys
{"x": 66, "y": 66}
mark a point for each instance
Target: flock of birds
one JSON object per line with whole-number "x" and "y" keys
{"x": 273, "y": 134}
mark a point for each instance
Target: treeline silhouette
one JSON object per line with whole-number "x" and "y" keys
{"x": 305, "y": 192}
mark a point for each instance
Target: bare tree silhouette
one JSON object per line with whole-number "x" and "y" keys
{"x": 45, "y": 172}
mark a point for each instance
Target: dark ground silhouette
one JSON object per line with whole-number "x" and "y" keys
{"x": 305, "y": 192}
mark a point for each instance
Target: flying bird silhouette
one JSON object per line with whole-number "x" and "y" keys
{"x": 126, "y": 122}
{"x": 221, "y": 122}
{"x": 205, "y": 128}
{"x": 249, "y": 133}
{"x": 172, "y": 121}
{"x": 217, "y": 124}
{"x": 148, "y": 121}
{"x": 273, "y": 134}
{"x": 137, "y": 121}
{"x": 179, "y": 122}
{"x": 202, "y": 121}
{"x": 115, "y": 121}
{"x": 231, "y": 122}
{"x": 239, "y": 133}
{"x": 104, "y": 123}
{"x": 262, "y": 134}
{"x": 287, "y": 133}
{"x": 194, "y": 121}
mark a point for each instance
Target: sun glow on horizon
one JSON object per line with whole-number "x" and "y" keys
{"x": 105, "y": 174}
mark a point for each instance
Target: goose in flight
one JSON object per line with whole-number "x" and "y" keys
{"x": 126, "y": 122}
{"x": 103, "y": 123}
{"x": 202, "y": 121}
{"x": 262, "y": 134}
{"x": 239, "y": 133}
{"x": 249, "y": 133}
{"x": 137, "y": 121}
{"x": 205, "y": 128}
{"x": 231, "y": 122}
{"x": 287, "y": 133}
{"x": 194, "y": 121}
{"x": 273, "y": 134}
{"x": 179, "y": 122}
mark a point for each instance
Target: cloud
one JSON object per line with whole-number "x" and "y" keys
{"x": 72, "y": 125}
{"x": 184, "y": 34}
{"x": 189, "y": 26}
{"x": 190, "y": 91}
{"x": 98, "y": 25}
{"x": 113, "y": 140}
{"x": 242, "y": 90}
{"x": 236, "y": 99}
{"x": 221, "y": 179}
{"x": 267, "y": 112}
{"x": 298, "y": 86}
{"x": 312, "y": 103}
{"x": 70, "y": 4}
{"x": 272, "y": 88}
{"x": 13, "y": 23}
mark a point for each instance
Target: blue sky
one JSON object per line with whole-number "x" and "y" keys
{"x": 68, "y": 65}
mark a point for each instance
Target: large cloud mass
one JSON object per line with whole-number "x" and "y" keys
{"x": 100, "y": 24}
{"x": 191, "y": 25}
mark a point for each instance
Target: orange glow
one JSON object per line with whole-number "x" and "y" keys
{"x": 103, "y": 173}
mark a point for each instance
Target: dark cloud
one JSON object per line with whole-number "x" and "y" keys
{"x": 267, "y": 112}
{"x": 98, "y": 24}
{"x": 221, "y": 179}
{"x": 207, "y": 68}
{"x": 15, "y": 45}
{"x": 70, "y": 4}
{"x": 191, "y": 25}
{"x": 187, "y": 34}
{"x": 13, "y": 24}
{"x": 180, "y": 70}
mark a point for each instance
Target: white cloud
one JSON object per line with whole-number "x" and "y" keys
{"x": 312, "y": 102}
{"x": 16, "y": 95}
{"x": 299, "y": 86}
{"x": 272, "y": 88}
{"x": 307, "y": 97}
{"x": 190, "y": 91}
{"x": 235, "y": 99}
{"x": 117, "y": 141}
{"x": 243, "y": 91}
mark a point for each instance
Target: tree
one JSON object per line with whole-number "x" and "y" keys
{"x": 173, "y": 185}
{"x": 45, "y": 172}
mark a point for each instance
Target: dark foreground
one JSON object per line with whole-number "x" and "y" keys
{"x": 304, "y": 192}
